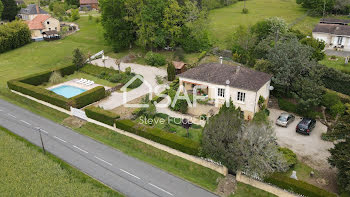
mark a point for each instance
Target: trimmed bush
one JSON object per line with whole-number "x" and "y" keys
{"x": 88, "y": 97}
{"x": 298, "y": 187}
{"x": 287, "y": 106}
{"x": 335, "y": 80}
{"x": 289, "y": 155}
{"x": 39, "y": 93}
{"x": 13, "y": 35}
{"x": 97, "y": 70}
{"x": 101, "y": 115}
{"x": 155, "y": 59}
{"x": 157, "y": 135}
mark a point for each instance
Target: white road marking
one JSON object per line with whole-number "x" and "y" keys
{"x": 80, "y": 149}
{"x": 129, "y": 173}
{"x": 44, "y": 131}
{"x": 60, "y": 139}
{"x": 12, "y": 115}
{"x": 161, "y": 189}
{"x": 103, "y": 161}
{"x": 25, "y": 122}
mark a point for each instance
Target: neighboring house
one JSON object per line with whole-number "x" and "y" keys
{"x": 221, "y": 82}
{"x": 334, "y": 32}
{"x": 30, "y": 12}
{"x": 180, "y": 67}
{"x": 19, "y": 2}
{"x": 89, "y": 4}
{"x": 43, "y": 23}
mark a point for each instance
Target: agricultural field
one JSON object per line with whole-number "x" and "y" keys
{"x": 26, "y": 171}
{"x": 225, "y": 20}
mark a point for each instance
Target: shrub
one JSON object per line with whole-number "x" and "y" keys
{"x": 169, "y": 139}
{"x": 335, "y": 80}
{"x": 97, "y": 70}
{"x": 88, "y": 97}
{"x": 171, "y": 71}
{"x": 101, "y": 115}
{"x": 245, "y": 10}
{"x": 298, "y": 187}
{"x": 287, "y": 106}
{"x": 202, "y": 55}
{"x": 155, "y": 59}
{"x": 329, "y": 99}
{"x": 13, "y": 35}
{"x": 55, "y": 78}
{"x": 289, "y": 155}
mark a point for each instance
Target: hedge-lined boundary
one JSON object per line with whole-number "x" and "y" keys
{"x": 39, "y": 93}
{"x": 97, "y": 70}
{"x": 101, "y": 115}
{"x": 29, "y": 85}
{"x": 157, "y": 135}
{"x": 335, "y": 80}
{"x": 13, "y": 35}
{"x": 296, "y": 186}
{"x": 88, "y": 97}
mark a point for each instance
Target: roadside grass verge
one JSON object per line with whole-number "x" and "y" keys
{"x": 26, "y": 171}
{"x": 182, "y": 168}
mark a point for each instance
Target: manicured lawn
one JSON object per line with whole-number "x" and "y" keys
{"x": 225, "y": 20}
{"x": 41, "y": 56}
{"x": 26, "y": 171}
{"x": 338, "y": 64}
{"x": 79, "y": 75}
{"x": 244, "y": 190}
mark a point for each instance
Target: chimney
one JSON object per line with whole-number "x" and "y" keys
{"x": 221, "y": 59}
{"x": 37, "y": 9}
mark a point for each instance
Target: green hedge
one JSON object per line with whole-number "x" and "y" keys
{"x": 101, "y": 115}
{"x": 157, "y": 135}
{"x": 97, "y": 70}
{"x": 13, "y": 35}
{"x": 298, "y": 187}
{"x": 88, "y": 97}
{"x": 335, "y": 80}
{"x": 39, "y": 93}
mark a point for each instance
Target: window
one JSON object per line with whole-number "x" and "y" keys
{"x": 221, "y": 92}
{"x": 241, "y": 97}
{"x": 48, "y": 22}
{"x": 340, "y": 40}
{"x": 49, "y": 29}
{"x": 55, "y": 28}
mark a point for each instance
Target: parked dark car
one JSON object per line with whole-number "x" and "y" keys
{"x": 285, "y": 119}
{"x": 305, "y": 126}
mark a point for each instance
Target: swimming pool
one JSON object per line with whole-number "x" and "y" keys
{"x": 67, "y": 91}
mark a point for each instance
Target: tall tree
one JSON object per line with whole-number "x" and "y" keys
{"x": 78, "y": 58}
{"x": 10, "y": 10}
{"x": 173, "y": 21}
{"x": 118, "y": 29}
{"x": 340, "y": 158}
{"x": 242, "y": 146}
{"x": 171, "y": 72}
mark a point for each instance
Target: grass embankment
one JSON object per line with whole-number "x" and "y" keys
{"x": 225, "y": 20}
{"x": 25, "y": 171}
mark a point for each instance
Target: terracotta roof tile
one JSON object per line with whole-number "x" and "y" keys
{"x": 37, "y": 22}
{"x": 178, "y": 65}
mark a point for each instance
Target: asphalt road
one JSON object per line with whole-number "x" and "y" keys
{"x": 125, "y": 174}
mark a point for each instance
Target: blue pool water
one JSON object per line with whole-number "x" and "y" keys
{"x": 67, "y": 91}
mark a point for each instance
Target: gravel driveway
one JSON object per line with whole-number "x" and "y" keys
{"x": 310, "y": 149}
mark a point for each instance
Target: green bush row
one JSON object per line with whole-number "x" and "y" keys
{"x": 155, "y": 59}
{"x": 88, "y": 97}
{"x": 42, "y": 77}
{"x": 97, "y": 70}
{"x": 39, "y": 93}
{"x": 101, "y": 115}
{"x": 298, "y": 187}
{"x": 13, "y": 35}
{"x": 335, "y": 80}
{"x": 287, "y": 106}
{"x": 157, "y": 135}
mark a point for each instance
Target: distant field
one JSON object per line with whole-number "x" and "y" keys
{"x": 25, "y": 171}
{"x": 40, "y": 56}
{"x": 223, "y": 21}
{"x": 338, "y": 64}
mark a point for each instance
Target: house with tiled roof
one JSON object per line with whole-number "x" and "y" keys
{"x": 30, "y": 12}
{"x": 334, "y": 32}
{"x": 43, "y": 24}
{"x": 222, "y": 82}
{"x": 89, "y": 4}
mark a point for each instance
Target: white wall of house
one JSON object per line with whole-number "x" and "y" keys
{"x": 250, "y": 103}
{"x": 333, "y": 40}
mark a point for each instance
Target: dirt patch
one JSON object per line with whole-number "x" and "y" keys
{"x": 227, "y": 186}
{"x": 126, "y": 112}
{"x": 73, "y": 122}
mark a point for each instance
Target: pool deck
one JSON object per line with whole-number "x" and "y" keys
{"x": 78, "y": 85}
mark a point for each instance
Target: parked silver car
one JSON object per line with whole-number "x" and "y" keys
{"x": 285, "y": 119}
